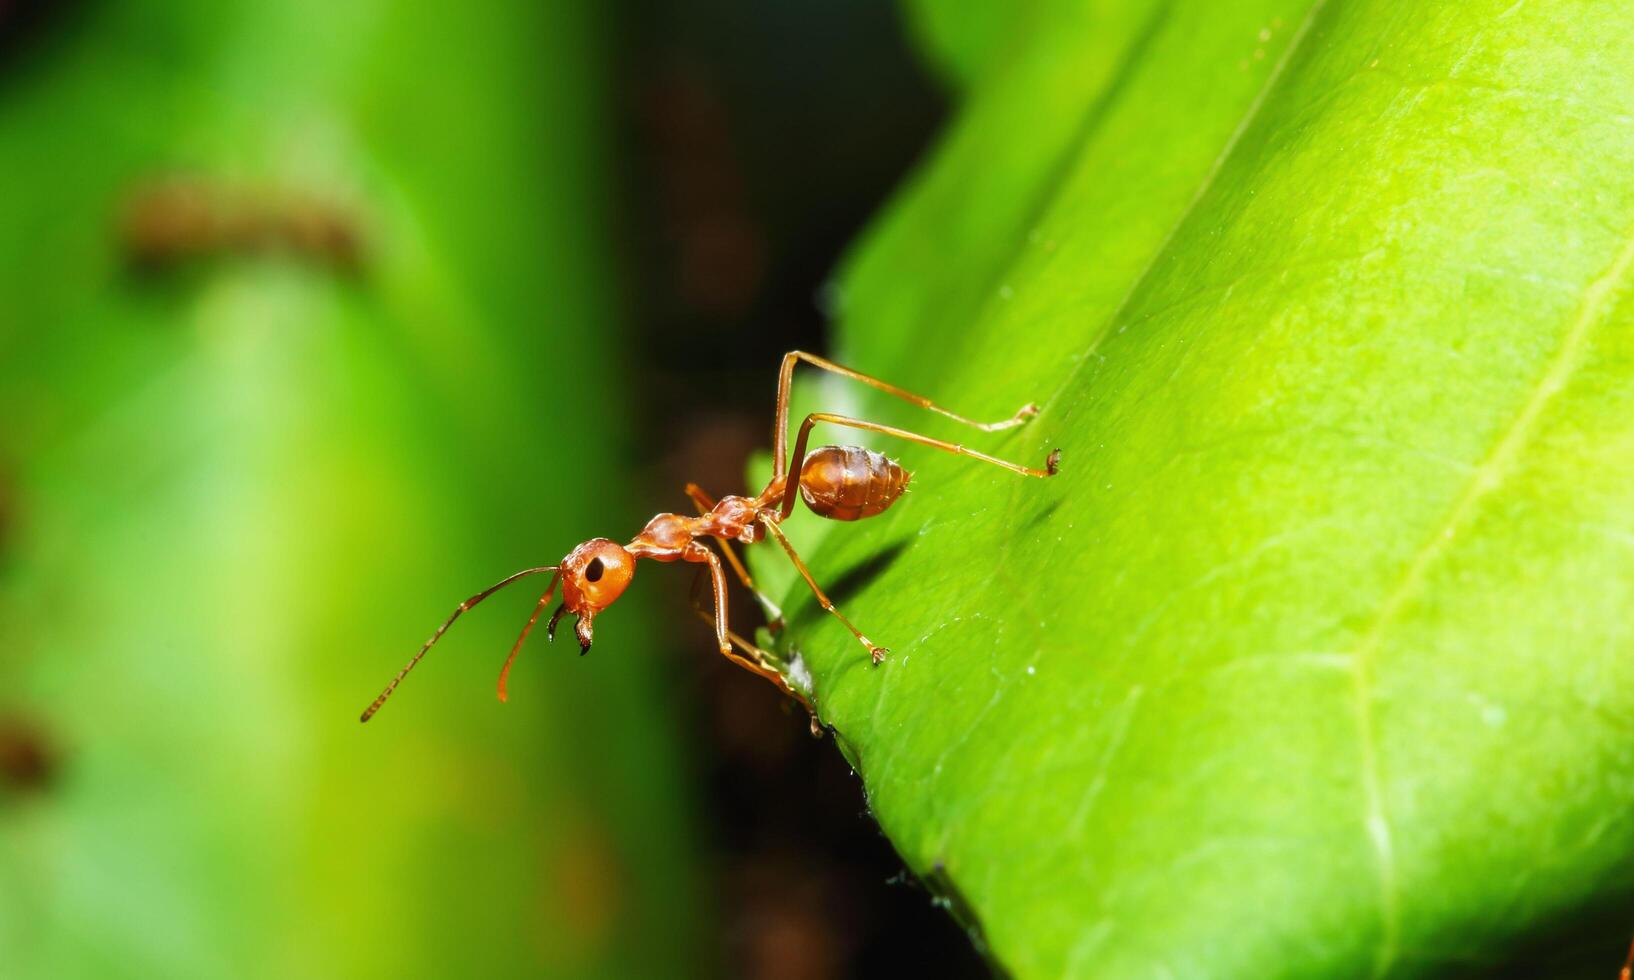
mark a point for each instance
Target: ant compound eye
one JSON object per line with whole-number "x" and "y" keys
{"x": 594, "y": 574}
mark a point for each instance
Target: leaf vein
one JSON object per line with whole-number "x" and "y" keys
{"x": 1486, "y": 478}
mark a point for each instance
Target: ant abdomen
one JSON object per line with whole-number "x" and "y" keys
{"x": 848, "y": 483}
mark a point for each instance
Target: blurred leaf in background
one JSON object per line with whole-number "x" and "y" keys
{"x": 246, "y": 476}
{"x": 1314, "y": 660}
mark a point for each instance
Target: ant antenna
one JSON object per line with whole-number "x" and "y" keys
{"x": 467, "y": 604}
{"x": 544, "y": 600}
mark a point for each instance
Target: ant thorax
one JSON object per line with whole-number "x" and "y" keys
{"x": 734, "y": 518}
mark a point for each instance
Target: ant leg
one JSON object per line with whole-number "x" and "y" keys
{"x": 753, "y": 659}
{"x": 701, "y": 498}
{"x": 877, "y": 653}
{"x": 786, "y": 373}
{"x": 1051, "y": 463}
{"x": 724, "y": 636}
{"x": 774, "y": 613}
{"x": 717, "y": 578}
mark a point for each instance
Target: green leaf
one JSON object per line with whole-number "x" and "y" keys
{"x": 1317, "y": 658}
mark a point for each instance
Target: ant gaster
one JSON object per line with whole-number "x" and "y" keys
{"x": 843, "y": 483}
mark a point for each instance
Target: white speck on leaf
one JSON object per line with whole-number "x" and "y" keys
{"x": 800, "y": 674}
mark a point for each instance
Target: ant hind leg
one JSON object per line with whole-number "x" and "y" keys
{"x": 785, "y": 375}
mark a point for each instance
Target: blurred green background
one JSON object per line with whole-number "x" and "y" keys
{"x": 315, "y": 319}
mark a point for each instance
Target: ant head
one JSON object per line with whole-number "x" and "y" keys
{"x": 593, "y": 575}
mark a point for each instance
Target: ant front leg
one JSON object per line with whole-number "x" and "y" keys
{"x": 774, "y": 613}
{"x": 875, "y": 652}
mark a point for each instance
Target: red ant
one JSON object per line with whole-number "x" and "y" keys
{"x": 843, "y": 483}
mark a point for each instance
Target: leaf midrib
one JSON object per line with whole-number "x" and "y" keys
{"x": 1486, "y": 478}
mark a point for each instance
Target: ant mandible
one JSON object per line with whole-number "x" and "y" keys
{"x": 842, "y": 483}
